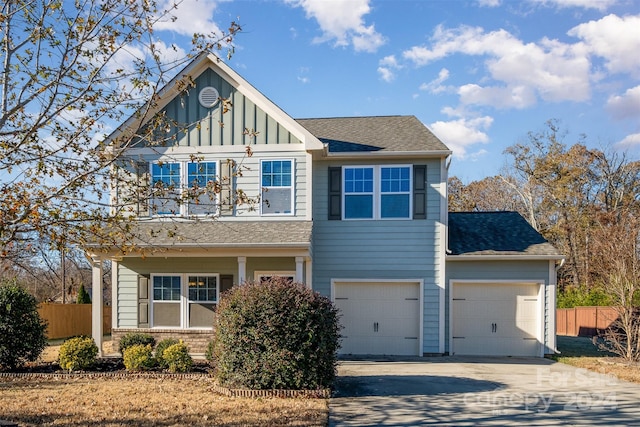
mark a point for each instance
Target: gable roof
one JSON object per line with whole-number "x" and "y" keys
{"x": 485, "y": 234}
{"x": 382, "y": 134}
{"x": 196, "y": 67}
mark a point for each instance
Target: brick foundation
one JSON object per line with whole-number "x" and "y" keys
{"x": 196, "y": 340}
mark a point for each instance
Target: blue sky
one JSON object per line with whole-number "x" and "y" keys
{"x": 479, "y": 73}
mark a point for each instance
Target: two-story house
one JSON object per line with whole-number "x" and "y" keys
{"x": 355, "y": 208}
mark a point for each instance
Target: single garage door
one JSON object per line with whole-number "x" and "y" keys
{"x": 379, "y": 318}
{"x": 501, "y": 319}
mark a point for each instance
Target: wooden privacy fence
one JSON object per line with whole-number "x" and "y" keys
{"x": 584, "y": 321}
{"x": 68, "y": 320}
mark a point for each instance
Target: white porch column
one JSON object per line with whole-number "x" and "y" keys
{"x": 242, "y": 269}
{"x": 114, "y": 294}
{"x": 309, "y": 273}
{"x": 96, "y": 303}
{"x": 299, "y": 269}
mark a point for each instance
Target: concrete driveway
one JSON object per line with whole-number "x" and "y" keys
{"x": 465, "y": 391}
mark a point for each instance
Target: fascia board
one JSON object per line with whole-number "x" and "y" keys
{"x": 504, "y": 257}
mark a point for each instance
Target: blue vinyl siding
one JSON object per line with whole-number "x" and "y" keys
{"x": 380, "y": 249}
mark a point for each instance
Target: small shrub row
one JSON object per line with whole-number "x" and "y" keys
{"x": 78, "y": 354}
{"x": 138, "y": 355}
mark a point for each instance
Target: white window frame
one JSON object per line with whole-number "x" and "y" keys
{"x": 184, "y": 300}
{"x": 292, "y": 187}
{"x": 259, "y": 275}
{"x": 377, "y": 192}
{"x": 183, "y": 187}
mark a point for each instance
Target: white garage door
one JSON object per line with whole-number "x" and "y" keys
{"x": 379, "y": 318}
{"x": 501, "y": 319}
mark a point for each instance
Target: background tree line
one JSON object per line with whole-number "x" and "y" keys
{"x": 585, "y": 201}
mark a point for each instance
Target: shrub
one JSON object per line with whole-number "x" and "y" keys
{"x": 78, "y": 353}
{"x": 134, "y": 338}
{"x": 22, "y": 330}
{"x": 177, "y": 358}
{"x": 138, "y": 357}
{"x": 83, "y": 296}
{"x": 161, "y": 347}
{"x": 275, "y": 335}
{"x": 209, "y": 355}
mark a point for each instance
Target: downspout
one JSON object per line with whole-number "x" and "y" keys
{"x": 555, "y": 318}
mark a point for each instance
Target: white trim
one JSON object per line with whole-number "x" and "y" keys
{"x": 419, "y": 282}
{"x": 114, "y": 294}
{"x": 505, "y": 257}
{"x": 376, "y": 192}
{"x": 292, "y": 187}
{"x": 541, "y": 304}
{"x": 392, "y": 154}
{"x": 443, "y": 228}
{"x": 309, "y": 187}
{"x": 183, "y": 301}
{"x": 242, "y": 269}
{"x": 97, "y": 306}
{"x": 257, "y": 275}
{"x": 551, "y": 289}
{"x": 308, "y": 272}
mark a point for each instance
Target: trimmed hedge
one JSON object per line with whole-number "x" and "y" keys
{"x": 161, "y": 347}
{"x": 275, "y": 335}
{"x": 176, "y": 358}
{"x": 138, "y": 357}
{"x": 135, "y": 338}
{"x": 77, "y": 353}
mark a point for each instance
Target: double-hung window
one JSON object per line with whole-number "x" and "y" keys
{"x": 184, "y": 300}
{"x": 166, "y": 188}
{"x": 201, "y": 181}
{"x": 184, "y": 188}
{"x": 377, "y": 192}
{"x": 277, "y": 187}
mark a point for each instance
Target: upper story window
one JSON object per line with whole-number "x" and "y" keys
{"x": 183, "y": 188}
{"x": 377, "y": 192}
{"x": 276, "y": 177}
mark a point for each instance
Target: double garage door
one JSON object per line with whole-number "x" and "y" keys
{"x": 496, "y": 319}
{"x": 379, "y": 317}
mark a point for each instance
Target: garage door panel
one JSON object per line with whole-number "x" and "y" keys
{"x": 495, "y": 319}
{"x": 379, "y": 318}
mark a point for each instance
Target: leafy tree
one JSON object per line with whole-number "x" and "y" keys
{"x": 22, "y": 330}
{"x": 71, "y": 71}
{"x": 83, "y": 296}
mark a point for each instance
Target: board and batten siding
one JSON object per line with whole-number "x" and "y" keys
{"x": 249, "y": 181}
{"x": 197, "y": 126}
{"x": 533, "y": 271}
{"x": 381, "y": 249}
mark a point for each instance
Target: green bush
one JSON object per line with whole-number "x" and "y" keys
{"x": 161, "y": 347}
{"x": 275, "y": 335}
{"x": 78, "y": 353}
{"x": 22, "y": 330}
{"x": 177, "y": 359}
{"x": 579, "y": 297}
{"x": 138, "y": 357}
{"x": 83, "y": 296}
{"x": 209, "y": 355}
{"x": 134, "y": 338}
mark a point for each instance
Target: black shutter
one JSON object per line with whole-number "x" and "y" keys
{"x": 335, "y": 193}
{"x": 143, "y": 302}
{"x": 419, "y": 192}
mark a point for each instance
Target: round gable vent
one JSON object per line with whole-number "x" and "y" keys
{"x": 208, "y": 97}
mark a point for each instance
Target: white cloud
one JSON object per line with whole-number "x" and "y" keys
{"x": 614, "y": 38}
{"x": 549, "y": 69}
{"x": 462, "y": 133}
{"x": 489, "y": 3}
{"x": 626, "y": 105}
{"x": 630, "y": 141}
{"x": 600, "y": 5}
{"x": 343, "y": 22}
{"x": 191, "y": 16}
{"x": 386, "y": 68}
{"x": 518, "y": 96}
{"x": 435, "y": 86}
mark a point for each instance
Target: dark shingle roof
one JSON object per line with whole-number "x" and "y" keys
{"x": 495, "y": 233}
{"x": 221, "y": 233}
{"x": 366, "y": 134}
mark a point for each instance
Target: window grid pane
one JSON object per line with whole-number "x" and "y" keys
{"x": 166, "y": 288}
{"x": 201, "y": 173}
{"x": 203, "y": 288}
{"x": 358, "y": 189}
{"x": 277, "y": 197}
